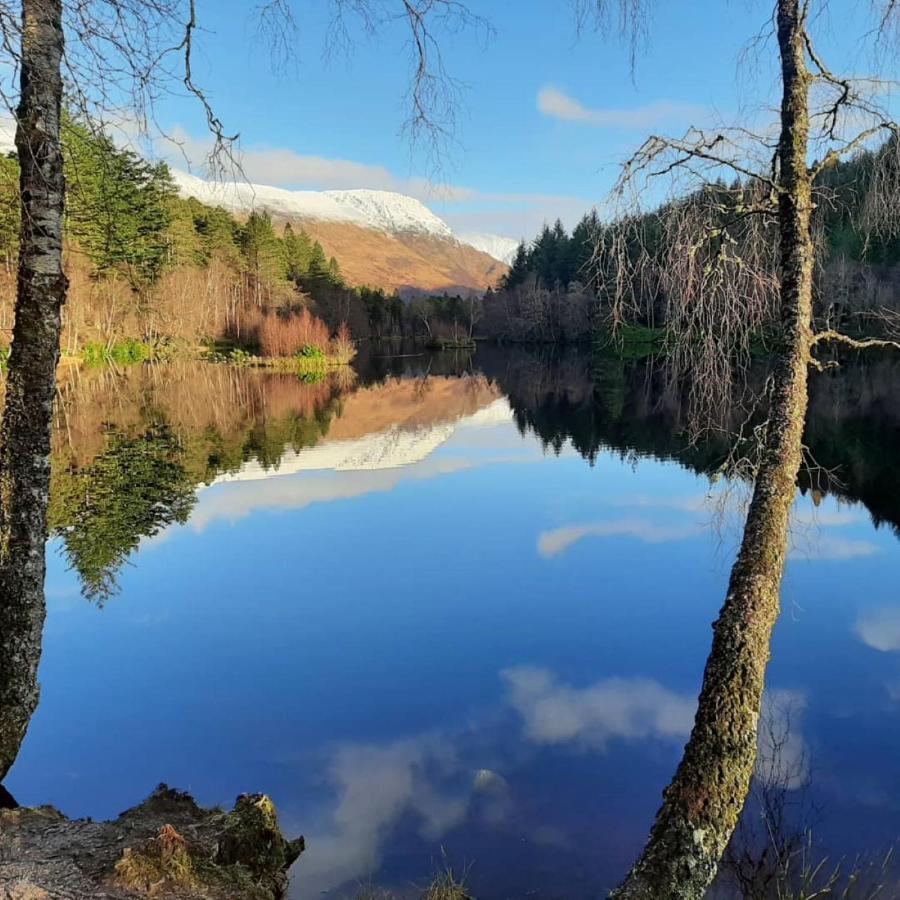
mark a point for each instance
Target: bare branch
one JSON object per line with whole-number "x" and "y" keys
{"x": 854, "y": 343}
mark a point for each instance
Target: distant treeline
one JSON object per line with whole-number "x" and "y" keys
{"x": 146, "y": 265}
{"x": 558, "y": 285}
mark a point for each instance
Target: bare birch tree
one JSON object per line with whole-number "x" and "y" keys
{"x": 728, "y": 261}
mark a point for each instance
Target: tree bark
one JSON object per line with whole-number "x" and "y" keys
{"x": 31, "y": 381}
{"x": 702, "y": 804}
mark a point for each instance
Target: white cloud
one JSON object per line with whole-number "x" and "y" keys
{"x": 783, "y": 758}
{"x": 615, "y": 708}
{"x": 880, "y": 629}
{"x": 556, "y": 104}
{"x": 376, "y": 786}
{"x": 516, "y": 215}
{"x": 833, "y": 548}
{"x": 552, "y": 543}
{"x": 691, "y": 503}
{"x": 235, "y": 500}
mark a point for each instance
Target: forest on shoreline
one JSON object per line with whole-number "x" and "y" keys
{"x": 155, "y": 275}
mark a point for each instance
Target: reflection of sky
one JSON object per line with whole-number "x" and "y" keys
{"x": 488, "y": 650}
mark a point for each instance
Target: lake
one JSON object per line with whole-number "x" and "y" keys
{"x": 454, "y": 610}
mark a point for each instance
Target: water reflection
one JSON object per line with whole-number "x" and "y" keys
{"x": 389, "y": 605}
{"x": 132, "y": 447}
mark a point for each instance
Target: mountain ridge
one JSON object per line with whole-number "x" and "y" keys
{"x": 380, "y": 238}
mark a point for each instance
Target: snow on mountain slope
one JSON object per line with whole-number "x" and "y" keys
{"x": 501, "y": 248}
{"x": 394, "y": 448}
{"x": 383, "y": 211}
{"x": 391, "y": 212}
{"x": 240, "y": 196}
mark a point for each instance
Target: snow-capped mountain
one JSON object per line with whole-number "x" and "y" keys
{"x": 383, "y": 210}
{"x": 496, "y": 245}
{"x": 380, "y": 238}
{"x": 240, "y": 196}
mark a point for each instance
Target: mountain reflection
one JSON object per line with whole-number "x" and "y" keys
{"x": 132, "y": 448}
{"x": 498, "y": 650}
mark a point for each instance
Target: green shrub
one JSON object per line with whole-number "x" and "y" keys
{"x": 4, "y": 359}
{"x": 93, "y": 354}
{"x": 130, "y": 352}
{"x": 126, "y": 353}
{"x": 240, "y": 358}
{"x": 311, "y": 352}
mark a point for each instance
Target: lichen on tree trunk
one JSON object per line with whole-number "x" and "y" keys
{"x": 31, "y": 380}
{"x": 702, "y": 804}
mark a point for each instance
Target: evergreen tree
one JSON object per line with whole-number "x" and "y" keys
{"x": 334, "y": 273}
{"x": 317, "y": 275}
{"x": 519, "y": 268}
{"x": 263, "y": 252}
{"x": 118, "y": 206}
{"x": 218, "y": 232}
{"x": 297, "y": 252}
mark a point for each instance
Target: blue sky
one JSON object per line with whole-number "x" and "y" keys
{"x": 545, "y": 118}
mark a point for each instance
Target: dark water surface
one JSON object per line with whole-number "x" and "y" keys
{"x": 456, "y": 609}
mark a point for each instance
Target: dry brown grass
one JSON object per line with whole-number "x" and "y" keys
{"x": 394, "y": 262}
{"x": 444, "y": 886}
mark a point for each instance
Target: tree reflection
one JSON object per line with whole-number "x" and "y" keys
{"x": 133, "y": 490}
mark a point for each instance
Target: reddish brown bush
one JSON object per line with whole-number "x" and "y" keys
{"x": 286, "y": 335}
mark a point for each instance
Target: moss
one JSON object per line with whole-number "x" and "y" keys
{"x": 253, "y": 840}
{"x": 161, "y": 864}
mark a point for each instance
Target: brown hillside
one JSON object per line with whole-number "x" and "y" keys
{"x": 408, "y": 263}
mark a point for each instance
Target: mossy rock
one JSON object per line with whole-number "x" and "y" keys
{"x": 253, "y": 839}
{"x": 167, "y": 846}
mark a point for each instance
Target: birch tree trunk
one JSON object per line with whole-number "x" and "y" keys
{"x": 702, "y": 804}
{"x": 27, "y": 418}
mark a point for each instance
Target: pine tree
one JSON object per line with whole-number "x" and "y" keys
{"x": 317, "y": 276}
{"x": 297, "y": 252}
{"x": 518, "y": 269}
{"x": 118, "y": 205}
{"x": 334, "y": 273}
{"x": 263, "y": 253}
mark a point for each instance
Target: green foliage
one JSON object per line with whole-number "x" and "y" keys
{"x": 9, "y": 209}
{"x": 118, "y": 206}
{"x": 240, "y": 358}
{"x": 4, "y": 359}
{"x": 556, "y": 258}
{"x": 633, "y": 342}
{"x": 137, "y": 487}
{"x": 263, "y": 252}
{"x": 311, "y": 352}
{"x": 125, "y": 353}
{"x": 297, "y": 253}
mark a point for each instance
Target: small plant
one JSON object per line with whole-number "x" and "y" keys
{"x": 163, "y": 862}
{"x": 4, "y": 359}
{"x": 130, "y": 352}
{"x": 240, "y": 358}
{"x": 93, "y": 354}
{"x": 125, "y": 353}
{"x": 311, "y": 352}
{"x": 446, "y": 887}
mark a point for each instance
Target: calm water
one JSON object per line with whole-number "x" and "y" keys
{"x": 457, "y": 608}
